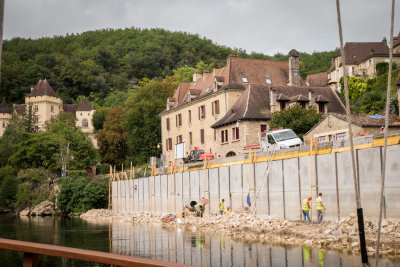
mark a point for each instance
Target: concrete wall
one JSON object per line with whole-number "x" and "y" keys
{"x": 279, "y": 194}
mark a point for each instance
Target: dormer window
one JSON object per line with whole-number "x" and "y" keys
{"x": 244, "y": 79}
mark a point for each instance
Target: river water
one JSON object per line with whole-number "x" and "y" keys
{"x": 159, "y": 243}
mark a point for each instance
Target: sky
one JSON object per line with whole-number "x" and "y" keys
{"x": 262, "y": 26}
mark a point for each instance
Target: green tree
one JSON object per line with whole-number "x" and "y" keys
{"x": 142, "y": 119}
{"x": 298, "y": 119}
{"x": 112, "y": 138}
{"x": 8, "y": 190}
{"x": 99, "y": 117}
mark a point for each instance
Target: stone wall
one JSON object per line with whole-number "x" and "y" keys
{"x": 280, "y": 194}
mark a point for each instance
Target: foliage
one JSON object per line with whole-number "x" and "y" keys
{"x": 368, "y": 96}
{"x": 34, "y": 175}
{"x": 77, "y": 173}
{"x": 66, "y": 118}
{"x": 79, "y": 194}
{"x": 96, "y": 63}
{"x": 142, "y": 120}
{"x": 298, "y": 119}
{"x": 112, "y": 138}
{"x": 104, "y": 168}
{"x": 8, "y": 190}
{"x": 357, "y": 87}
{"x": 37, "y": 150}
{"x": 99, "y": 117}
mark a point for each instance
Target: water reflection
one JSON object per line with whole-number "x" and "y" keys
{"x": 202, "y": 249}
{"x": 159, "y": 243}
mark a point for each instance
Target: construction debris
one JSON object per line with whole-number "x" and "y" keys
{"x": 338, "y": 235}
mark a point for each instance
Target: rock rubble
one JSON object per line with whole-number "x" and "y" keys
{"x": 338, "y": 235}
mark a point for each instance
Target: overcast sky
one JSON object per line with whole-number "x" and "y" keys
{"x": 265, "y": 26}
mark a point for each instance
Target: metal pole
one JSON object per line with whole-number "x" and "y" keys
{"x": 364, "y": 255}
{"x": 383, "y": 171}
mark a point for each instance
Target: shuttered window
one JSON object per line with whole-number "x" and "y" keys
{"x": 202, "y": 136}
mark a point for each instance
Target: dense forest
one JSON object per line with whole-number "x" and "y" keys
{"x": 96, "y": 63}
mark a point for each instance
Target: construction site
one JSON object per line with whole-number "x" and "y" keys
{"x": 273, "y": 183}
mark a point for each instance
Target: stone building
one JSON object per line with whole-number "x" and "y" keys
{"x": 361, "y": 59}
{"x": 225, "y": 110}
{"x": 334, "y": 127}
{"x": 45, "y": 104}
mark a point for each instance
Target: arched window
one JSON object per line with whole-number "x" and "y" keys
{"x": 230, "y": 154}
{"x": 85, "y": 123}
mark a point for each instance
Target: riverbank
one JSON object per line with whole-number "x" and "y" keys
{"x": 338, "y": 235}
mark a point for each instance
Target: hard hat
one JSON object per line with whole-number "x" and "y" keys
{"x": 228, "y": 208}
{"x": 310, "y": 197}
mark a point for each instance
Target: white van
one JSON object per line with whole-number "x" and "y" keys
{"x": 279, "y": 139}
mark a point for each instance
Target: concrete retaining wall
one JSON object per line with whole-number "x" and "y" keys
{"x": 280, "y": 194}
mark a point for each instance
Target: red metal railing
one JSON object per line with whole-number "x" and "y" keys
{"x": 32, "y": 250}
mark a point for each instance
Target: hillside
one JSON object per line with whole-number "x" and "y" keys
{"x": 96, "y": 63}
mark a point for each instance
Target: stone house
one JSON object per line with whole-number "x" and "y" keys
{"x": 334, "y": 127}
{"x": 45, "y": 104}
{"x": 225, "y": 110}
{"x": 361, "y": 59}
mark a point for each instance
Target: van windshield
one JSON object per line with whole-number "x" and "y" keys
{"x": 285, "y": 135}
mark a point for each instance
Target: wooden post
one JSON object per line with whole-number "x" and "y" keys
{"x": 30, "y": 260}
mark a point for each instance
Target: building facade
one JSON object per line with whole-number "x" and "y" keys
{"x": 334, "y": 127}
{"x": 226, "y": 110}
{"x": 361, "y": 59}
{"x": 45, "y": 104}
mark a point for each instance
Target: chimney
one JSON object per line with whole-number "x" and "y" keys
{"x": 228, "y": 59}
{"x": 311, "y": 96}
{"x": 384, "y": 40}
{"x": 197, "y": 76}
{"x": 31, "y": 89}
{"x": 272, "y": 100}
{"x": 294, "y": 69}
{"x": 205, "y": 74}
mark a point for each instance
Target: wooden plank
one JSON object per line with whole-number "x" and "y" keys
{"x": 81, "y": 254}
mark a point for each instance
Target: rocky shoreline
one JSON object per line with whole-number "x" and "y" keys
{"x": 337, "y": 235}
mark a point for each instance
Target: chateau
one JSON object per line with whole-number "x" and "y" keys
{"x": 45, "y": 104}
{"x": 225, "y": 110}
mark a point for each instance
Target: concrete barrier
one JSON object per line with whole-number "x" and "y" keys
{"x": 279, "y": 194}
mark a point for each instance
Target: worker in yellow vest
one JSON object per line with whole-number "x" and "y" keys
{"x": 222, "y": 207}
{"x": 228, "y": 210}
{"x": 306, "y": 208}
{"x": 320, "y": 207}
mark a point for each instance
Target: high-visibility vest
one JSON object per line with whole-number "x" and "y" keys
{"x": 221, "y": 206}
{"x": 305, "y": 205}
{"x": 198, "y": 207}
{"x": 319, "y": 203}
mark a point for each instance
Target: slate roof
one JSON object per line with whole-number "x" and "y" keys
{"x": 255, "y": 70}
{"x": 42, "y": 88}
{"x": 70, "y": 108}
{"x": 20, "y": 109}
{"x": 254, "y": 103}
{"x": 84, "y": 106}
{"x": 357, "y": 52}
{"x": 318, "y": 79}
{"x": 366, "y": 121}
{"x": 4, "y": 108}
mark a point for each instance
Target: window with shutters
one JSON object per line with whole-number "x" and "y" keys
{"x": 36, "y": 108}
{"x": 321, "y": 107}
{"x": 224, "y": 136}
{"x": 235, "y": 133}
{"x": 202, "y": 136}
{"x": 190, "y": 116}
{"x": 179, "y": 139}
{"x": 202, "y": 112}
{"x": 263, "y": 128}
{"x": 215, "y": 107}
{"x": 190, "y": 138}
{"x": 178, "y": 119}
{"x": 168, "y": 126}
{"x": 52, "y": 108}
{"x": 169, "y": 144}
{"x": 215, "y": 134}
